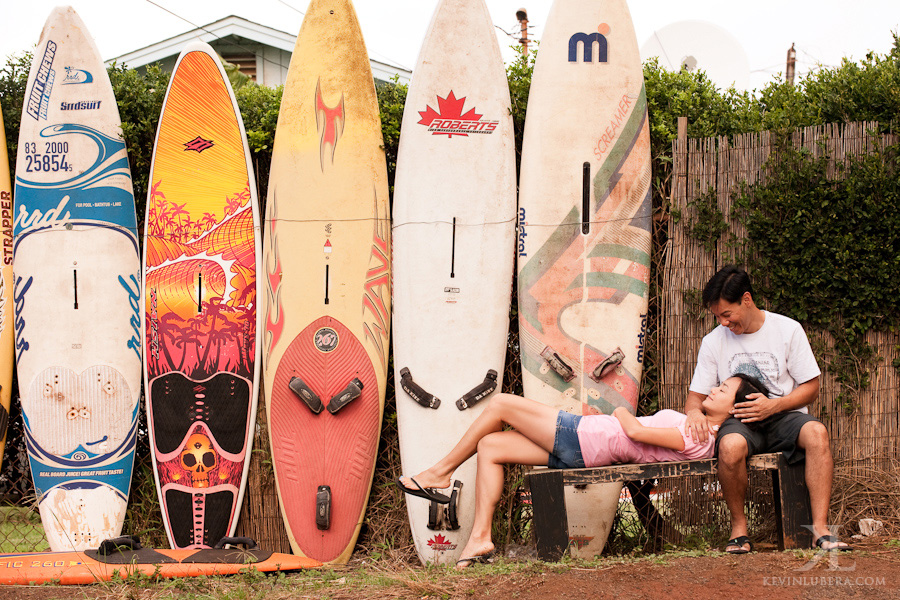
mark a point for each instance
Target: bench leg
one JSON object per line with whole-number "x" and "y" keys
{"x": 792, "y": 511}
{"x": 551, "y": 525}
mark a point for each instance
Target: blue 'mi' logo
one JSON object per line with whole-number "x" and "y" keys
{"x": 588, "y": 40}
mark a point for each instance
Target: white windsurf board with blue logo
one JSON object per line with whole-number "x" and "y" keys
{"x": 584, "y": 230}
{"x": 77, "y": 290}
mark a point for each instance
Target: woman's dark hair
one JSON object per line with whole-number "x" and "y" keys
{"x": 729, "y": 284}
{"x": 749, "y": 385}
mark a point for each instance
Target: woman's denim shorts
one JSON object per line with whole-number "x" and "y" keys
{"x": 566, "y": 449}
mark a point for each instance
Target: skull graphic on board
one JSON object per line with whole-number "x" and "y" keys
{"x": 199, "y": 458}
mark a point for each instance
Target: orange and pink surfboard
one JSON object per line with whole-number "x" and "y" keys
{"x": 201, "y": 259}
{"x": 327, "y": 257}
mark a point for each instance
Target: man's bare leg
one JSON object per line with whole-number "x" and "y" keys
{"x": 819, "y": 472}
{"x": 733, "y": 479}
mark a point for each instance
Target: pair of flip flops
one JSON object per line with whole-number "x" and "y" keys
{"x": 832, "y": 539}
{"x": 738, "y": 544}
{"x": 426, "y": 493}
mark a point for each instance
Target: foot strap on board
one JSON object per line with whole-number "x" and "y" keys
{"x": 445, "y": 516}
{"x": 305, "y": 393}
{"x": 609, "y": 363}
{"x": 345, "y": 396}
{"x": 416, "y": 392}
{"x": 112, "y": 545}
{"x": 453, "y": 507}
{"x": 558, "y": 364}
{"x": 247, "y": 543}
{"x": 479, "y": 392}
{"x": 323, "y": 508}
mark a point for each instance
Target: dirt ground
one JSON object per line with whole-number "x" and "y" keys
{"x": 872, "y": 571}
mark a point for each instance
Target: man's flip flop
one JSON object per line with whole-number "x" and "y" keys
{"x": 738, "y": 544}
{"x": 820, "y": 543}
{"x": 471, "y": 560}
{"x": 423, "y": 493}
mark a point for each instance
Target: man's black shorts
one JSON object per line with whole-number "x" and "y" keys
{"x": 778, "y": 433}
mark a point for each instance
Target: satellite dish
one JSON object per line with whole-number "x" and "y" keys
{"x": 700, "y": 45}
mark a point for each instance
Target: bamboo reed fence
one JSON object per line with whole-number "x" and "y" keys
{"x": 863, "y": 440}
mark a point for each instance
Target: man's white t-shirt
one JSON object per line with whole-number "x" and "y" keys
{"x": 778, "y": 355}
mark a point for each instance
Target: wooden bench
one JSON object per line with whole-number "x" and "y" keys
{"x": 550, "y": 521}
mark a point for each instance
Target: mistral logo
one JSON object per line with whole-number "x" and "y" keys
{"x": 587, "y": 42}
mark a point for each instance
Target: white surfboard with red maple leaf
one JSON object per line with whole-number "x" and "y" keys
{"x": 454, "y": 219}
{"x": 584, "y": 245}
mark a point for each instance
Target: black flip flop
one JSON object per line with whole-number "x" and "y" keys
{"x": 834, "y": 540}
{"x": 424, "y": 493}
{"x": 481, "y": 559}
{"x": 739, "y": 543}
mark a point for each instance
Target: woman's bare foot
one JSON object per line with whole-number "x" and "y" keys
{"x": 475, "y": 551}
{"x": 427, "y": 479}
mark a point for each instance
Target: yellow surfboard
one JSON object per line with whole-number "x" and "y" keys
{"x": 327, "y": 259}
{"x": 6, "y": 288}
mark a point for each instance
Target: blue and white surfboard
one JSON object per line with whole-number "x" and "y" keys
{"x": 76, "y": 290}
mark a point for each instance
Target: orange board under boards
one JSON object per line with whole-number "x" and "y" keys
{"x": 94, "y": 566}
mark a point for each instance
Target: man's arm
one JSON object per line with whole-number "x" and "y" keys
{"x": 760, "y": 407}
{"x": 665, "y": 437}
{"x": 696, "y": 425}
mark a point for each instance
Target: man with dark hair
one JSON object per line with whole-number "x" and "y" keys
{"x": 774, "y": 350}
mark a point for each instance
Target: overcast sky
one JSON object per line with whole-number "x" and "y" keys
{"x": 824, "y": 31}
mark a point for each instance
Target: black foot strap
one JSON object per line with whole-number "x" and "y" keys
{"x": 435, "y": 516}
{"x": 305, "y": 393}
{"x": 323, "y": 507}
{"x": 609, "y": 363}
{"x": 479, "y": 392}
{"x": 558, "y": 364}
{"x": 453, "y": 507}
{"x": 345, "y": 396}
{"x": 416, "y": 392}
{"x": 445, "y": 516}
{"x": 248, "y": 543}
{"x": 125, "y": 542}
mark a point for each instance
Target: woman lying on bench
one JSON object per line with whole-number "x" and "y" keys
{"x": 546, "y": 436}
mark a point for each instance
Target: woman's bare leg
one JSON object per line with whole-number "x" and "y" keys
{"x": 494, "y": 451}
{"x": 532, "y": 420}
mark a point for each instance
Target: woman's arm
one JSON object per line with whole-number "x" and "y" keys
{"x": 664, "y": 437}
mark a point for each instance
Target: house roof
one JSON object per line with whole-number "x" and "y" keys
{"x": 236, "y": 29}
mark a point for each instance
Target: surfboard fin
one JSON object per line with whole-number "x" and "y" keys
{"x": 305, "y": 393}
{"x": 346, "y": 396}
{"x": 479, "y": 392}
{"x": 558, "y": 364}
{"x": 416, "y": 392}
{"x": 323, "y": 508}
{"x": 609, "y": 363}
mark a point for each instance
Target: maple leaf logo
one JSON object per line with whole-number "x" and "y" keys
{"x": 449, "y": 109}
{"x": 439, "y": 542}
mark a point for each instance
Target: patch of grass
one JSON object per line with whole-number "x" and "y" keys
{"x": 21, "y": 530}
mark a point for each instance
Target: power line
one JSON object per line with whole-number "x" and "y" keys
{"x": 292, "y": 7}
{"x": 195, "y": 26}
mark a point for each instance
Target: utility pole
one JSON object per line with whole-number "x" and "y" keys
{"x": 522, "y": 16}
{"x": 791, "y": 65}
